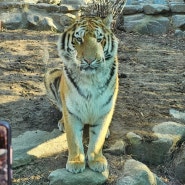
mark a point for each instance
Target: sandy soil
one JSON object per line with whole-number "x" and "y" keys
{"x": 152, "y": 80}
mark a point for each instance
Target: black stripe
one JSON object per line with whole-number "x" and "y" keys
{"x": 94, "y": 125}
{"x": 74, "y": 115}
{"x": 112, "y": 44}
{"x": 57, "y": 82}
{"x": 54, "y": 70}
{"x": 93, "y": 132}
{"x": 63, "y": 40}
{"x": 108, "y": 56}
{"x": 68, "y": 40}
{"x": 73, "y": 81}
{"x": 112, "y": 72}
{"x": 109, "y": 42}
{"x": 108, "y": 101}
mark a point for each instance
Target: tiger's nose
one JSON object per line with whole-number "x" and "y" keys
{"x": 89, "y": 61}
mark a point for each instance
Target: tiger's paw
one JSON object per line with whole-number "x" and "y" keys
{"x": 99, "y": 164}
{"x": 75, "y": 166}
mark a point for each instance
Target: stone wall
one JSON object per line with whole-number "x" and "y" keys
{"x": 154, "y": 17}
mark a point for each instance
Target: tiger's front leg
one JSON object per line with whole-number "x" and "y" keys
{"x": 96, "y": 160}
{"x": 74, "y": 133}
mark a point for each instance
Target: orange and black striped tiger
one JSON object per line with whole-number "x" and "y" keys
{"x": 86, "y": 89}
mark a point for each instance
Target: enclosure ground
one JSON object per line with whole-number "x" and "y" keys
{"x": 152, "y": 80}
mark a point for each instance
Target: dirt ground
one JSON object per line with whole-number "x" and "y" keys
{"x": 152, "y": 80}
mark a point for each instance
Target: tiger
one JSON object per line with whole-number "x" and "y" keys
{"x": 85, "y": 89}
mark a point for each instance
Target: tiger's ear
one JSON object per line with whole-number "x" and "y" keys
{"x": 108, "y": 21}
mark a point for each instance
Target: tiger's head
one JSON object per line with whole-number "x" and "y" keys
{"x": 88, "y": 43}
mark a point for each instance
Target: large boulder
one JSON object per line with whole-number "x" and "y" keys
{"x": 149, "y": 148}
{"x": 155, "y": 148}
{"x": 137, "y": 173}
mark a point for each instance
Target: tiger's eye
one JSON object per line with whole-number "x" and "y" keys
{"x": 79, "y": 39}
{"x": 99, "y": 40}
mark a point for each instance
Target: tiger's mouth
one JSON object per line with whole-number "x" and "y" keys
{"x": 89, "y": 66}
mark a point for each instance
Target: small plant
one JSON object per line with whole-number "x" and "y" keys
{"x": 102, "y": 8}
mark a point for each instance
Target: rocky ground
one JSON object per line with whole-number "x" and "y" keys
{"x": 152, "y": 81}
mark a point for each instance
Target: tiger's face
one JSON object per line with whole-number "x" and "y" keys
{"x": 88, "y": 44}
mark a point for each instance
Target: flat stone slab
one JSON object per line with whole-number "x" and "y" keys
{"x": 37, "y": 144}
{"x": 88, "y": 177}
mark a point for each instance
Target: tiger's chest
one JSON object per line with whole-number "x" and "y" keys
{"x": 90, "y": 99}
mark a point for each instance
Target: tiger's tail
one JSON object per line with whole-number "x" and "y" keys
{"x": 52, "y": 82}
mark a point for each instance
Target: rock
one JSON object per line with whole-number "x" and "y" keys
{"x": 79, "y": 2}
{"x": 56, "y": 2}
{"x": 63, "y": 20}
{"x": 47, "y": 24}
{"x": 146, "y": 24}
{"x": 177, "y": 7}
{"x": 156, "y": 147}
{"x": 43, "y": 7}
{"x": 178, "y": 21}
{"x": 11, "y": 20}
{"x": 175, "y": 113}
{"x": 134, "y": 138}
{"x": 155, "y": 9}
{"x": 39, "y": 22}
{"x": 179, "y": 33}
{"x": 162, "y": 2}
{"x": 178, "y": 163}
{"x": 117, "y": 148}
{"x": 37, "y": 144}
{"x": 61, "y": 176}
{"x": 31, "y": 1}
{"x": 170, "y": 128}
{"x": 136, "y": 173}
{"x": 132, "y": 9}
{"x": 147, "y": 147}
{"x": 33, "y": 20}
